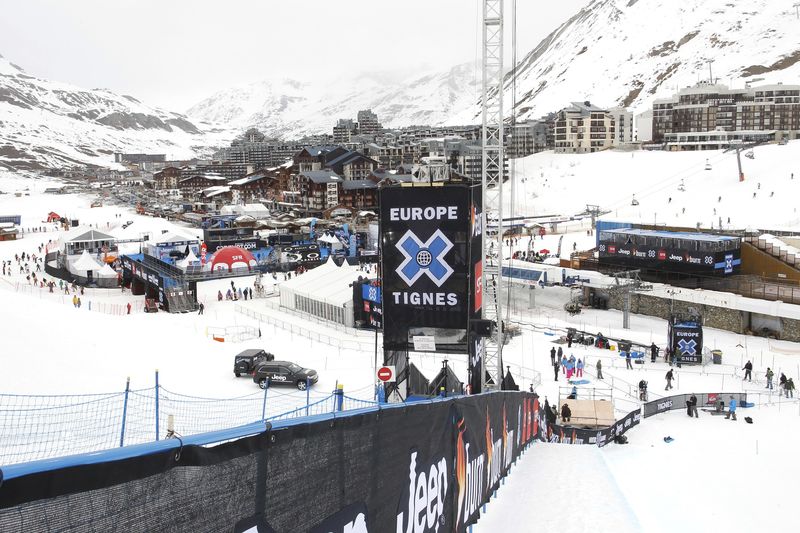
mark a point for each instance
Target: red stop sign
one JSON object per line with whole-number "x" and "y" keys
{"x": 385, "y": 373}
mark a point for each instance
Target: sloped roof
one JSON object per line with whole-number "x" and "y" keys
{"x": 84, "y": 234}
{"x": 321, "y": 176}
{"x": 350, "y": 185}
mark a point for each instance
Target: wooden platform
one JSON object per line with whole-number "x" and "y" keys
{"x": 590, "y": 413}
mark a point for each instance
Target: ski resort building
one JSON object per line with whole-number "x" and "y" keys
{"x": 708, "y": 108}
{"x": 584, "y": 128}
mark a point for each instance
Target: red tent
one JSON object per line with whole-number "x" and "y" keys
{"x": 53, "y": 217}
{"x": 232, "y": 257}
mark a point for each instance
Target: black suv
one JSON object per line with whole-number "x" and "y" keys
{"x": 248, "y": 360}
{"x": 284, "y": 372}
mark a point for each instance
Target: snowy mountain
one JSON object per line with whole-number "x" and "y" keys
{"x": 612, "y": 52}
{"x": 290, "y": 108}
{"x": 50, "y": 124}
{"x": 629, "y": 52}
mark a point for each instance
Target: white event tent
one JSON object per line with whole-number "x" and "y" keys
{"x": 325, "y": 292}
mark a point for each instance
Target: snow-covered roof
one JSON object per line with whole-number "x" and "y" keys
{"x": 327, "y": 283}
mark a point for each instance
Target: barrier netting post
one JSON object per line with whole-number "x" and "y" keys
{"x": 264, "y": 405}
{"x": 124, "y": 412}
{"x": 157, "y": 404}
{"x": 339, "y": 397}
{"x": 308, "y": 394}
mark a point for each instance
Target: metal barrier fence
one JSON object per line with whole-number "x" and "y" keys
{"x": 40, "y": 426}
{"x": 337, "y": 342}
{"x": 88, "y": 301}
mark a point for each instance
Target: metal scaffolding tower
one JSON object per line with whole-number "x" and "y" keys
{"x": 492, "y": 174}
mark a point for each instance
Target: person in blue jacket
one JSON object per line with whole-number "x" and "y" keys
{"x": 579, "y": 368}
{"x": 732, "y": 409}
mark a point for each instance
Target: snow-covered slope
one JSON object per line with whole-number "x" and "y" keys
{"x": 628, "y": 52}
{"x": 290, "y": 108}
{"x": 612, "y": 52}
{"x": 672, "y": 188}
{"x": 50, "y": 124}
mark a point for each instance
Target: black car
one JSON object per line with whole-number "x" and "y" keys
{"x": 284, "y": 372}
{"x": 247, "y": 361}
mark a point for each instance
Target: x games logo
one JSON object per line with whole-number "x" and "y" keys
{"x": 424, "y": 258}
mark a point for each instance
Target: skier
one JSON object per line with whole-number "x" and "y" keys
{"x": 643, "y": 390}
{"x": 770, "y": 374}
{"x": 731, "y": 409}
{"x": 553, "y": 355}
{"x": 782, "y": 381}
{"x": 789, "y": 388}
{"x": 599, "y": 367}
{"x": 653, "y": 352}
{"x": 201, "y": 308}
{"x": 579, "y": 367}
{"x": 219, "y": 296}
{"x": 748, "y": 371}
{"x": 669, "y": 377}
{"x": 75, "y": 301}
{"x": 564, "y": 364}
{"x": 691, "y": 406}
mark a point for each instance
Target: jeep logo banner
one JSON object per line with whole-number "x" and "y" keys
{"x": 426, "y": 265}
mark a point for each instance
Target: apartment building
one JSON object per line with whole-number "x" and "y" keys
{"x": 584, "y": 128}
{"x": 689, "y": 119}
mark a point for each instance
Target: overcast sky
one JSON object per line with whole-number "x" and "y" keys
{"x": 173, "y": 53}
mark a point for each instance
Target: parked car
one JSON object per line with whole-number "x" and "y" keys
{"x": 247, "y": 361}
{"x": 284, "y": 372}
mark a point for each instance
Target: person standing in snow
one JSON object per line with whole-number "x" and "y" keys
{"x": 628, "y": 364}
{"x": 555, "y": 370}
{"x": 782, "y": 381}
{"x": 201, "y": 308}
{"x": 129, "y": 308}
{"x": 563, "y": 364}
{"x": 692, "y": 406}
{"x": 731, "y": 409}
{"x": 653, "y": 352}
{"x": 579, "y": 368}
{"x": 599, "y": 367}
{"x": 748, "y": 371}
{"x": 553, "y": 355}
{"x": 669, "y": 377}
{"x": 560, "y": 352}
{"x": 770, "y": 374}
{"x": 789, "y": 388}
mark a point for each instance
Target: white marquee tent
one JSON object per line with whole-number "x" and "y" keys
{"x": 325, "y": 291}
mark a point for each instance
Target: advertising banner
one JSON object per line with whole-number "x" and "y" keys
{"x": 425, "y": 235}
{"x": 670, "y": 259}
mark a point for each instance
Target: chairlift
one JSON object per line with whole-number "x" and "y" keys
{"x": 750, "y": 155}
{"x": 634, "y": 201}
{"x": 708, "y": 165}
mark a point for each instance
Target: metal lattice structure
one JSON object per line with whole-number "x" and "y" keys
{"x": 492, "y": 175}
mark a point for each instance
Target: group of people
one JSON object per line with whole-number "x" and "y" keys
{"x": 785, "y": 384}
{"x": 236, "y": 294}
{"x": 569, "y": 366}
